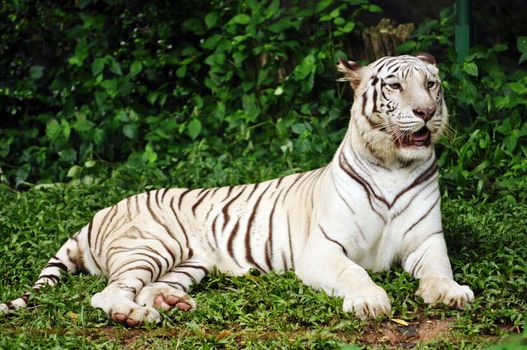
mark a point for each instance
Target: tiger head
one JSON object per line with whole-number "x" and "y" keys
{"x": 398, "y": 111}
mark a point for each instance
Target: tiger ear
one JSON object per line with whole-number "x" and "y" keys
{"x": 352, "y": 72}
{"x": 428, "y": 58}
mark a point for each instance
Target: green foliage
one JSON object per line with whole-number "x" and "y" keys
{"x": 93, "y": 82}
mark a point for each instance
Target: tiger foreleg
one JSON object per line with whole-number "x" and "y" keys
{"x": 336, "y": 274}
{"x": 429, "y": 263}
{"x": 170, "y": 290}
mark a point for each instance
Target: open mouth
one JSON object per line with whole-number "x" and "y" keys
{"x": 417, "y": 139}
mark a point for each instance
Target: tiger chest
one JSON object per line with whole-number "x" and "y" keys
{"x": 370, "y": 221}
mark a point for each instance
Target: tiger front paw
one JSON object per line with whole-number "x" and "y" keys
{"x": 434, "y": 290}
{"x": 367, "y": 303}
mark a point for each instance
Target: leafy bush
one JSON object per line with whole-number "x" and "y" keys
{"x": 92, "y": 82}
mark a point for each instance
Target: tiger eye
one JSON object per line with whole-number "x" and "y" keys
{"x": 396, "y": 86}
{"x": 431, "y": 84}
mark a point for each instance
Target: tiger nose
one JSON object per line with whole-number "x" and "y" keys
{"x": 424, "y": 113}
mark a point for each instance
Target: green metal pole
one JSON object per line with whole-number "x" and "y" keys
{"x": 463, "y": 11}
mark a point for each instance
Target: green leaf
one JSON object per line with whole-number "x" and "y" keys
{"x": 240, "y": 19}
{"x": 321, "y": 5}
{"x": 299, "y": 128}
{"x": 81, "y": 52}
{"x": 210, "y": 19}
{"x": 66, "y": 128}
{"x": 97, "y": 66}
{"x": 510, "y": 142}
{"x": 374, "y": 8}
{"x": 470, "y": 68}
{"x": 152, "y": 97}
{"x": 305, "y": 68}
{"x": 521, "y": 43}
{"x": 135, "y": 68}
{"x": 98, "y": 136}
{"x": 130, "y": 131}
{"x": 110, "y": 86}
{"x": 74, "y": 171}
{"x": 272, "y": 9}
{"x": 194, "y": 128}
{"x": 406, "y": 47}
{"x": 149, "y": 155}
{"x": 517, "y": 87}
{"x": 82, "y": 125}
{"x": 339, "y": 21}
{"x": 36, "y": 72}
{"x": 22, "y": 173}
{"x": 53, "y": 129}
{"x": 115, "y": 67}
{"x": 181, "y": 71}
{"x": 211, "y": 42}
{"x": 90, "y": 163}
{"x": 193, "y": 25}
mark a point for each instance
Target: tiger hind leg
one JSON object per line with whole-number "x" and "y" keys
{"x": 170, "y": 290}
{"x": 117, "y": 299}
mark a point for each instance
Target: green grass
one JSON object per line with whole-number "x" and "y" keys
{"x": 487, "y": 244}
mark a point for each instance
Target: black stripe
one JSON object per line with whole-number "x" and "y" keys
{"x": 116, "y": 277}
{"x": 225, "y": 209}
{"x": 229, "y": 190}
{"x": 332, "y": 240}
{"x": 269, "y": 242}
{"x": 198, "y": 202}
{"x": 279, "y": 181}
{"x": 413, "y": 272}
{"x": 253, "y": 191}
{"x": 165, "y": 191}
{"x": 342, "y": 198}
{"x": 60, "y": 265}
{"x": 25, "y": 297}
{"x": 198, "y": 267}
{"x": 192, "y": 278}
{"x": 290, "y": 242}
{"x": 248, "y": 254}
{"x": 165, "y": 227}
{"x": 53, "y": 278}
{"x": 423, "y": 216}
{"x": 128, "y": 211}
{"x": 233, "y": 234}
{"x": 298, "y": 177}
{"x": 413, "y": 197}
{"x": 157, "y": 198}
{"x": 174, "y": 283}
{"x": 429, "y": 172}
{"x": 346, "y": 167}
{"x": 99, "y": 231}
{"x": 214, "y": 232}
{"x": 191, "y": 252}
{"x": 183, "y": 194}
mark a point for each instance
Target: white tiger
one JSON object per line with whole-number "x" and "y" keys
{"x": 375, "y": 204}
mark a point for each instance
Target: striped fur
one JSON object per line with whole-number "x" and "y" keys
{"x": 375, "y": 204}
